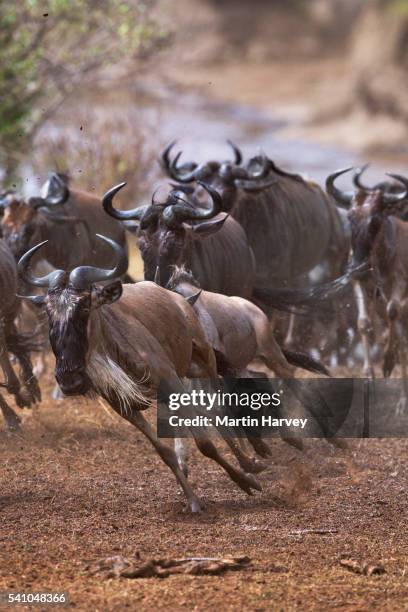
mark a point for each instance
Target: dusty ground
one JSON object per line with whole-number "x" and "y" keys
{"x": 79, "y": 484}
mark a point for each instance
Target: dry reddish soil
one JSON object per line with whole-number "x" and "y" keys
{"x": 79, "y": 484}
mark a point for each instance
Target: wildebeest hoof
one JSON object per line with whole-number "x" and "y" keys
{"x": 249, "y": 482}
{"x": 368, "y": 372}
{"x": 23, "y": 398}
{"x": 388, "y": 366}
{"x": 57, "y": 394}
{"x": 254, "y": 466}
{"x": 13, "y": 423}
{"x": 194, "y": 506}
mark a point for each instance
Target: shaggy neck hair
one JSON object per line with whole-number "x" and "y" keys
{"x": 181, "y": 275}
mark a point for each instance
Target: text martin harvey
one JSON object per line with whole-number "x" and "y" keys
{"x": 227, "y": 421}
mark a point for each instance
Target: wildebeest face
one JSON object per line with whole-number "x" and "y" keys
{"x": 165, "y": 248}
{"x": 18, "y": 225}
{"x": 68, "y": 311}
{"x": 69, "y": 302}
{"x": 365, "y": 217}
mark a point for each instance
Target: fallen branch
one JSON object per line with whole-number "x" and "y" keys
{"x": 120, "y": 567}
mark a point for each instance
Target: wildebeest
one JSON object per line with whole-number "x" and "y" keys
{"x": 63, "y": 214}
{"x": 291, "y": 225}
{"x": 13, "y": 342}
{"x": 381, "y": 239}
{"x": 238, "y": 330}
{"x": 386, "y": 186}
{"x": 121, "y": 341}
{"x": 208, "y": 242}
{"x": 180, "y": 232}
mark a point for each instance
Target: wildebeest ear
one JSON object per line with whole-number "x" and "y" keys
{"x": 206, "y": 228}
{"x": 108, "y": 294}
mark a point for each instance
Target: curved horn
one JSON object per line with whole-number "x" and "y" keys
{"x": 27, "y": 276}
{"x": 178, "y": 175}
{"x": 177, "y": 213}
{"x": 393, "y": 198}
{"x": 165, "y": 156}
{"x": 341, "y": 197}
{"x": 357, "y": 179}
{"x": 237, "y": 153}
{"x": 122, "y": 215}
{"x": 84, "y": 276}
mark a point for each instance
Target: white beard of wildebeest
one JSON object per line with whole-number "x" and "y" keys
{"x": 68, "y": 315}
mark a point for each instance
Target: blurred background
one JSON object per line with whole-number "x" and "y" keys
{"x": 95, "y": 88}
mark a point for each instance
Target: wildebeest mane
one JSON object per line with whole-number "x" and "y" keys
{"x": 181, "y": 275}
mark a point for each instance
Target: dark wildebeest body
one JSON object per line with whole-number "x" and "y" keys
{"x": 69, "y": 218}
{"x": 380, "y": 239}
{"x": 13, "y": 342}
{"x": 181, "y": 232}
{"x": 121, "y": 346}
{"x": 207, "y": 242}
{"x": 291, "y": 224}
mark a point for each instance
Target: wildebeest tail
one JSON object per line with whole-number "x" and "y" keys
{"x": 306, "y": 362}
{"x": 305, "y": 300}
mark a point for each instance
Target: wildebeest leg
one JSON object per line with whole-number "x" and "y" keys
{"x": 12, "y": 383}
{"x": 248, "y": 464}
{"x": 291, "y": 329}
{"x": 363, "y": 325}
{"x": 402, "y": 343}
{"x": 182, "y": 456}
{"x": 40, "y": 366}
{"x": 166, "y": 453}
{"x": 272, "y": 355}
{"x": 29, "y": 380}
{"x": 12, "y": 420}
{"x": 246, "y": 482}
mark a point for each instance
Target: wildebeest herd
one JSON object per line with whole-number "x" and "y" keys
{"x": 243, "y": 263}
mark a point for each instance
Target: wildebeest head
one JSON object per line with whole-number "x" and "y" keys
{"x": 69, "y": 301}
{"x": 22, "y": 219}
{"x": 229, "y": 176}
{"x": 367, "y": 209}
{"x": 167, "y": 230}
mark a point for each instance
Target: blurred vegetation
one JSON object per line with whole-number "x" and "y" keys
{"x": 399, "y": 7}
{"x": 50, "y": 49}
{"x": 108, "y": 149}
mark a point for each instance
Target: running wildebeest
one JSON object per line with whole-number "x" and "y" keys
{"x": 291, "y": 225}
{"x": 121, "y": 341}
{"x": 210, "y": 244}
{"x": 380, "y": 238}
{"x": 63, "y": 214}
{"x": 387, "y": 186}
{"x": 14, "y": 343}
{"x": 238, "y": 330}
{"x": 179, "y": 231}
{"x": 66, "y": 216}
